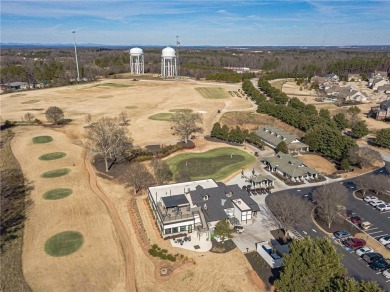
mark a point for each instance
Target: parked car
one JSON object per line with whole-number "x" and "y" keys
{"x": 383, "y": 207}
{"x": 361, "y": 251}
{"x": 380, "y": 265}
{"x": 365, "y": 225}
{"x": 371, "y": 257}
{"x": 369, "y": 198}
{"x": 385, "y": 239}
{"x": 376, "y": 203}
{"x": 349, "y": 184}
{"x": 308, "y": 196}
{"x": 356, "y": 219}
{"x": 238, "y": 228}
{"x": 354, "y": 243}
{"x": 342, "y": 234}
{"x": 386, "y": 274}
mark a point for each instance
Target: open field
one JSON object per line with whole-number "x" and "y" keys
{"x": 212, "y": 92}
{"x": 162, "y": 117}
{"x": 319, "y": 163}
{"x": 102, "y": 262}
{"x": 216, "y": 164}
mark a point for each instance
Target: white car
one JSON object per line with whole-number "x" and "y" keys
{"x": 361, "y": 251}
{"x": 386, "y": 273}
{"x": 383, "y": 207}
{"x": 385, "y": 239}
{"x": 376, "y": 203}
{"x": 369, "y": 198}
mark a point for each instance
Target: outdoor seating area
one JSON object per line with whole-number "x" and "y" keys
{"x": 198, "y": 241}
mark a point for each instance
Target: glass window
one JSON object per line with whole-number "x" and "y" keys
{"x": 183, "y": 228}
{"x": 175, "y": 230}
{"x": 168, "y": 231}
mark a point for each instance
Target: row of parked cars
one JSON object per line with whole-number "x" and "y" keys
{"x": 378, "y": 204}
{"x": 375, "y": 260}
{"x": 255, "y": 192}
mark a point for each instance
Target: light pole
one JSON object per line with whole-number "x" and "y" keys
{"x": 75, "y": 52}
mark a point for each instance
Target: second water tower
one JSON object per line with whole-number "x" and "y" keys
{"x": 168, "y": 63}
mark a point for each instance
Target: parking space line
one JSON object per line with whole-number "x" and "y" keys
{"x": 304, "y": 231}
{"x": 378, "y": 273}
{"x": 372, "y": 228}
{"x": 314, "y": 230}
{"x": 374, "y": 232}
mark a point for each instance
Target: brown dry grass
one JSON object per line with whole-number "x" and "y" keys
{"x": 319, "y": 163}
{"x": 375, "y": 245}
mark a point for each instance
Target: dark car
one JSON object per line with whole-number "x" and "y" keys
{"x": 354, "y": 243}
{"x": 356, "y": 219}
{"x": 380, "y": 265}
{"x": 349, "y": 185}
{"x": 371, "y": 257}
{"x": 342, "y": 234}
{"x": 308, "y": 196}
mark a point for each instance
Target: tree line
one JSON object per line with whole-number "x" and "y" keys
{"x": 235, "y": 135}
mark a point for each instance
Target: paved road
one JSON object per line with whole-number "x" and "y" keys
{"x": 356, "y": 267}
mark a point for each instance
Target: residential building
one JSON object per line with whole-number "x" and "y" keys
{"x": 377, "y": 82}
{"x": 272, "y": 136}
{"x": 384, "y": 89}
{"x": 380, "y": 74}
{"x": 262, "y": 181}
{"x": 354, "y": 77}
{"x": 349, "y": 94}
{"x": 197, "y": 206}
{"x": 332, "y": 77}
{"x": 290, "y": 167}
{"x": 381, "y": 112}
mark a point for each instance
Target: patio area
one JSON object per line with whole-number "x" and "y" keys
{"x": 199, "y": 241}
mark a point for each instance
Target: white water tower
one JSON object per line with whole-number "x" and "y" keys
{"x": 168, "y": 63}
{"x": 136, "y": 61}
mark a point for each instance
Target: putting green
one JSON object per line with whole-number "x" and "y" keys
{"x": 175, "y": 110}
{"x": 216, "y": 164}
{"x": 64, "y": 243}
{"x": 212, "y": 92}
{"x": 162, "y": 117}
{"x": 55, "y": 173}
{"x": 42, "y": 139}
{"x": 52, "y": 156}
{"x": 57, "y": 194}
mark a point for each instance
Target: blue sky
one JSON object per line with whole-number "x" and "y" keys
{"x": 200, "y": 22}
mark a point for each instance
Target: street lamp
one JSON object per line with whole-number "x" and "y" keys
{"x": 75, "y": 52}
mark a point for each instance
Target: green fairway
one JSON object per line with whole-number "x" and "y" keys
{"x": 216, "y": 164}
{"x": 55, "y": 173}
{"x": 30, "y": 101}
{"x": 52, "y": 156}
{"x": 57, "y": 194}
{"x": 64, "y": 243}
{"x": 212, "y": 92}
{"x": 42, "y": 139}
{"x": 162, "y": 117}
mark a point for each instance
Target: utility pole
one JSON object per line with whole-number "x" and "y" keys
{"x": 75, "y": 52}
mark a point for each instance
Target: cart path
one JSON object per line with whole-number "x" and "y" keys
{"x": 123, "y": 235}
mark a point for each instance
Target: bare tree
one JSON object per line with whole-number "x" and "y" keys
{"x": 365, "y": 156}
{"x": 29, "y": 117}
{"x": 162, "y": 172}
{"x": 289, "y": 210}
{"x": 138, "y": 177}
{"x": 329, "y": 198}
{"x": 88, "y": 119}
{"x": 363, "y": 183}
{"x": 54, "y": 114}
{"x": 379, "y": 184}
{"x": 123, "y": 118}
{"x": 108, "y": 139}
{"x": 185, "y": 123}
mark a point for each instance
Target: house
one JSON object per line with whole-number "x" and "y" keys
{"x": 198, "y": 206}
{"x": 332, "y": 77}
{"x": 238, "y": 69}
{"x": 379, "y": 74}
{"x": 381, "y": 112}
{"x": 262, "y": 181}
{"x": 377, "y": 82}
{"x": 332, "y": 90}
{"x": 349, "y": 94}
{"x": 19, "y": 85}
{"x": 384, "y": 89}
{"x": 354, "y": 77}
{"x": 272, "y": 136}
{"x": 290, "y": 167}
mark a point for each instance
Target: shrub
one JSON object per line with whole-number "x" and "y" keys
{"x": 154, "y": 246}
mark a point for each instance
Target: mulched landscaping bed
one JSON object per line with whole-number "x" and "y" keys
{"x": 219, "y": 247}
{"x": 278, "y": 234}
{"x": 262, "y": 269}
{"x": 340, "y": 224}
{"x": 380, "y": 196}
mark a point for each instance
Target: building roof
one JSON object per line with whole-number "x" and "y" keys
{"x": 261, "y": 178}
{"x": 274, "y": 136}
{"x": 289, "y": 165}
{"x": 219, "y": 198}
{"x": 175, "y": 201}
{"x": 385, "y": 104}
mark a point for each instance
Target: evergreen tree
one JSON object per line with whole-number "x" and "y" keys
{"x": 383, "y": 138}
{"x": 223, "y": 230}
{"x": 360, "y": 129}
{"x": 310, "y": 266}
{"x": 216, "y": 131}
{"x": 224, "y": 133}
{"x": 282, "y": 147}
{"x": 341, "y": 121}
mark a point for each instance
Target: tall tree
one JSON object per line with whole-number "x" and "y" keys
{"x": 223, "y": 230}
{"x": 185, "y": 123}
{"x": 359, "y": 129}
{"x": 383, "y": 138}
{"x": 162, "y": 172}
{"x": 310, "y": 266}
{"x": 341, "y": 121}
{"x": 29, "y": 117}
{"x": 289, "y": 211}
{"x": 329, "y": 197}
{"x": 124, "y": 118}
{"x": 353, "y": 112}
{"x": 54, "y": 114}
{"x": 138, "y": 177}
{"x": 281, "y": 147}
{"x": 365, "y": 156}
{"x": 108, "y": 139}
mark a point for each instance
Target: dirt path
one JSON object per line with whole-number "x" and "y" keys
{"x": 119, "y": 226}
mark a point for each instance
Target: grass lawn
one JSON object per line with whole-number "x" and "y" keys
{"x": 64, "y": 243}
{"x": 216, "y": 164}
{"x": 112, "y": 85}
{"x": 30, "y": 101}
{"x": 18, "y": 94}
{"x": 42, "y": 139}
{"x": 52, "y": 156}
{"x": 162, "y": 117}
{"x": 212, "y": 92}
{"x": 55, "y": 173}
{"x": 175, "y": 110}
{"x": 56, "y": 194}
{"x": 279, "y": 83}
